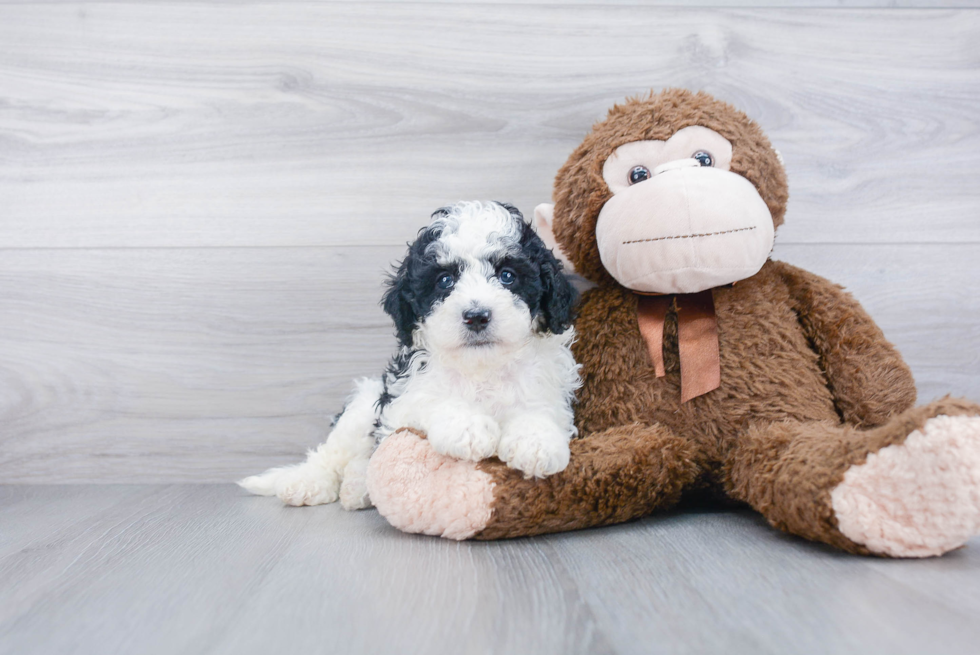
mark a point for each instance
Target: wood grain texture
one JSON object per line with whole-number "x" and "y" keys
{"x": 207, "y": 569}
{"x": 162, "y": 356}
{"x": 177, "y": 125}
{"x": 197, "y": 200}
{"x": 208, "y": 364}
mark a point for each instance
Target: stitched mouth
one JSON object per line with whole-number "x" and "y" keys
{"x": 691, "y": 236}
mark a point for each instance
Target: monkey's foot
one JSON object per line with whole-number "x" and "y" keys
{"x": 920, "y": 498}
{"x": 418, "y": 490}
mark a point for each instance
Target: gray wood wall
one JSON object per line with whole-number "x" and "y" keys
{"x": 198, "y": 200}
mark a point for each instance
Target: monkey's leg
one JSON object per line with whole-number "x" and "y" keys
{"x": 613, "y": 476}
{"x": 908, "y": 488}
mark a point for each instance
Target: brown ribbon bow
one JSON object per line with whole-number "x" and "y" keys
{"x": 697, "y": 338}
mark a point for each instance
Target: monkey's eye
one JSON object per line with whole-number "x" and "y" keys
{"x": 446, "y": 281}
{"x": 704, "y": 158}
{"x": 638, "y": 174}
{"x": 507, "y": 277}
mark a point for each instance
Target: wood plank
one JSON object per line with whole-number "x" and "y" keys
{"x": 202, "y": 365}
{"x": 207, "y": 569}
{"x": 684, "y": 563}
{"x": 175, "y": 125}
{"x": 107, "y": 355}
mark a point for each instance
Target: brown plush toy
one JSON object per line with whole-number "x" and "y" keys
{"x": 707, "y": 366}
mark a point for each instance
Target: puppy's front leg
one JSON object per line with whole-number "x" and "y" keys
{"x": 534, "y": 445}
{"x": 462, "y": 431}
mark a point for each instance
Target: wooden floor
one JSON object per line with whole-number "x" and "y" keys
{"x": 186, "y": 569}
{"x": 198, "y": 201}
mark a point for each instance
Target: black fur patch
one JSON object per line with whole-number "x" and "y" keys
{"x": 542, "y": 284}
{"x": 397, "y": 369}
{"x": 412, "y": 289}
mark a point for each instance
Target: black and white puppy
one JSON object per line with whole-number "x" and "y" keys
{"x": 483, "y": 315}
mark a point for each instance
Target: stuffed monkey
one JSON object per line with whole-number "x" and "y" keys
{"x": 708, "y": 366}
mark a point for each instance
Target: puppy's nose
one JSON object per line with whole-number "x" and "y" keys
{"x": 476, "y": 319}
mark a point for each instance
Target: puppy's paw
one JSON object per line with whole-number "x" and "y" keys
{"x": 464, "y": 435}
{"x": 353, "y": 490}
{"x": 302, "y": 484}
{"x": 538, "y": 448}
{"x": 308, "y": 488}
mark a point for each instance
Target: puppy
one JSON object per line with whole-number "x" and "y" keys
{"x": 483, "y": 316}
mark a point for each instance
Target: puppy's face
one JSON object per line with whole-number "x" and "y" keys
{"x": 476, "y": 282}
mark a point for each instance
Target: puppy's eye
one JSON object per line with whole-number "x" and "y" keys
{"x": 507, "y": 277}
{"x": 446, "y": 281}
{"x": 638, "y": 174}
{"x": 704, "y": 158}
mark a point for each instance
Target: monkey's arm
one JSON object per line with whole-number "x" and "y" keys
{"x": 869, "y": 380}
{"x": 620, "y": 474}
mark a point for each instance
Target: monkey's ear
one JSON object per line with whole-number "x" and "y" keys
{"x": 559, "y": 296}
{"x": 544, "y": 214}
{"x": 397, "y": 303}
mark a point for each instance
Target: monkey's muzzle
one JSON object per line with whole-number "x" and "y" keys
{"x": 686, "y": 229}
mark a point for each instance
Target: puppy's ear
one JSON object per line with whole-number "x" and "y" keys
{"x": 397, "y": 303}
{"x": 403, "y": 301}
{"x": 558, "y": 296}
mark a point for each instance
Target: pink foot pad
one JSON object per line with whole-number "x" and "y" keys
{"x": 920, "y": 498}
{"x": 418, "y": 490}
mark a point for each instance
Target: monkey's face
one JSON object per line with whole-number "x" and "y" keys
{"x": 674, "y": 193}
{"x": 679, "y": 220}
